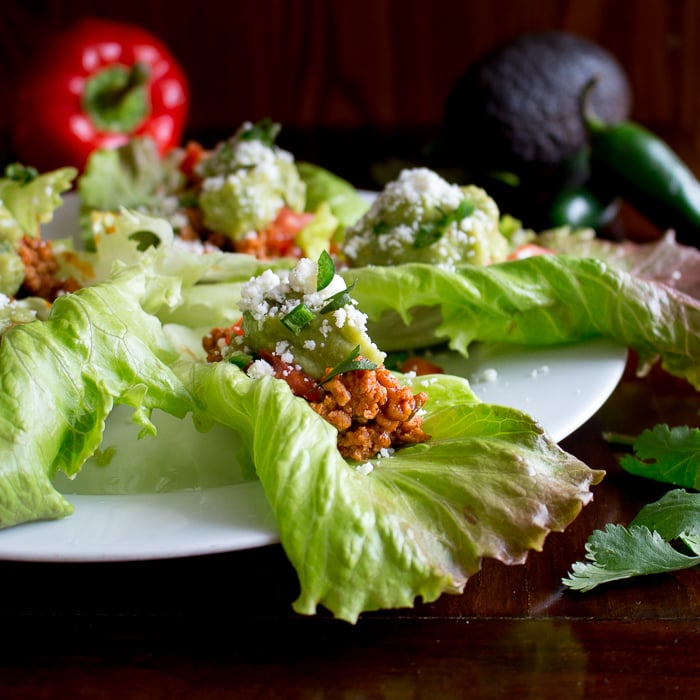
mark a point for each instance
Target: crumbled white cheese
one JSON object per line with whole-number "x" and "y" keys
{"x": 260, "y": 368}
{"x": 489, "y": 374}
{"x": 365, "y": 468}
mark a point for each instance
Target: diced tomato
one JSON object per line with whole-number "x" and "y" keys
{"x": 299, "y": 382}
{"x": 283, "y": 230}
{"x": 528, "y": 250}
{"x": 194, "y": 152}
{"x": 278, "y": 239}
{"x": 420, "y": 366}
{"x": 237, "y": 328}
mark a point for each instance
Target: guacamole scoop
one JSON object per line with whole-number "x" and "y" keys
{"x": 306, "y": 317}
{"x": 246, "y": 181}
{"x": 420, "y": 217}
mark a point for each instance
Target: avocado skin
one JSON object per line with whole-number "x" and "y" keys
{"x": 517, "y": 110}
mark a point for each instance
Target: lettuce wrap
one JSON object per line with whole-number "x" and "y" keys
{"x": 538, "y": 301}
{"x": 417, "y": 523}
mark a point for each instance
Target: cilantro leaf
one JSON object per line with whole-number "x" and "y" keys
{"x": 645, "y": 547}
{"x": 668, "y": 455}
{"x": 432, "y": 231}
{"x": 266, "y": 130}
{"x": 351, "y": 363}
{"x": 618, "y": 553}
{"x": 674, "y": 515}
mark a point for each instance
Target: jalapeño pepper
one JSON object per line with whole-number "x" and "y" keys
{"x": 646, "y": 171}
{"x": 581, "y": 207}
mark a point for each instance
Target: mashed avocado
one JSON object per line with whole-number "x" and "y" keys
{"x": 420, "y": 217}
{"x": 247, "y": 180}
{"x": 285, "y": 313}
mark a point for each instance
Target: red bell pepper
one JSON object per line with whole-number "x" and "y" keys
{"x": 95, "y": 86}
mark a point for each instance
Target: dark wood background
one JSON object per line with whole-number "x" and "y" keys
{"x": 375, "y": 64}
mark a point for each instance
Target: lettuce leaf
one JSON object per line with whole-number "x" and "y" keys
{"x": 542, "y": 300}
{"x": 663, "y": 260}
{"x": 489, "y": 483}
{"x": 325, "y": 187}
{"x": 24, "y": 206}
{"x": 417, "y": 523}
{"x": 60, "y": 378}
{"x": 134, "y": 175}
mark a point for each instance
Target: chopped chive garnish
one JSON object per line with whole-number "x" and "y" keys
{"x": 338, "y": 300}
{"x": 381, "y": 227}
{"x": 326, "y": 271}
{"x": 433, "y": 231}
{"x": 349, "y": 364}
{"x": 301, "y": 315}
{"x": 240, "y": 359}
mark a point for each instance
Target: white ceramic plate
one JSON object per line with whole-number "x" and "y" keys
{"x": 561, "y": 387}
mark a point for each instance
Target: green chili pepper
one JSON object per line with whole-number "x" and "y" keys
{"x": 644, "y": 170}
{"x": 580, "y": 207}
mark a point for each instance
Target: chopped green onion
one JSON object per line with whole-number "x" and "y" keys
{"x": 428, "y": 234}
{"x": 338, "y": 300}
{"x": 433, "y": 231}
{"x": 299, "y": 317}
{"x": 465, "y": 208}
{"x": 240, "y": 359}
{"x": 326, "y": 271}
{"x": 349, "y": 364}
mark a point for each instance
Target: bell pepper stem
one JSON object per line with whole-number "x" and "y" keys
{"x": 116, "y": 98}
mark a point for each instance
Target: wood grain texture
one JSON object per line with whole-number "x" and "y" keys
{"x": 374, "y": 63}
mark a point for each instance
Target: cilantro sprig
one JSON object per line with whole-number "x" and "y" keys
{"x": 645, "y": 547}
{"x": 665, "y": 535}
{"x": 432, "y": 231}
{"x": 670, "y": 455}
{"x": 21, "y": 173}
{"x": 350, "y": 363}
{"x": 265, "y": 131}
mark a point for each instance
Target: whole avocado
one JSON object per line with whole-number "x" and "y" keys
{"x": 516, "y": 110}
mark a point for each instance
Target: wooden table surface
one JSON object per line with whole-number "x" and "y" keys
{"x": 222, "y": 626}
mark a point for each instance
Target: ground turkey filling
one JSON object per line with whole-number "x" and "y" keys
{"x": 40, "y": 268}
{"x": 370, "y": 409}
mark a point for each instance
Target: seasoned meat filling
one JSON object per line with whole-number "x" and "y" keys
{"x": 40, "y": 267}
{"x": 372, "y": 412}
{"x": 370, "y": 409}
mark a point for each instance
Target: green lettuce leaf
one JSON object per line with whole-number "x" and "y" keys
{"x": 417, "y": 523}
{"x": 60, "y": 378}
{"x": 24, "y": 206}
{"x": 134, "y": 176}
{"x": 377, "y": 535}
{"x": 323, "y": 186}
{"x": 543, "y": 300}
